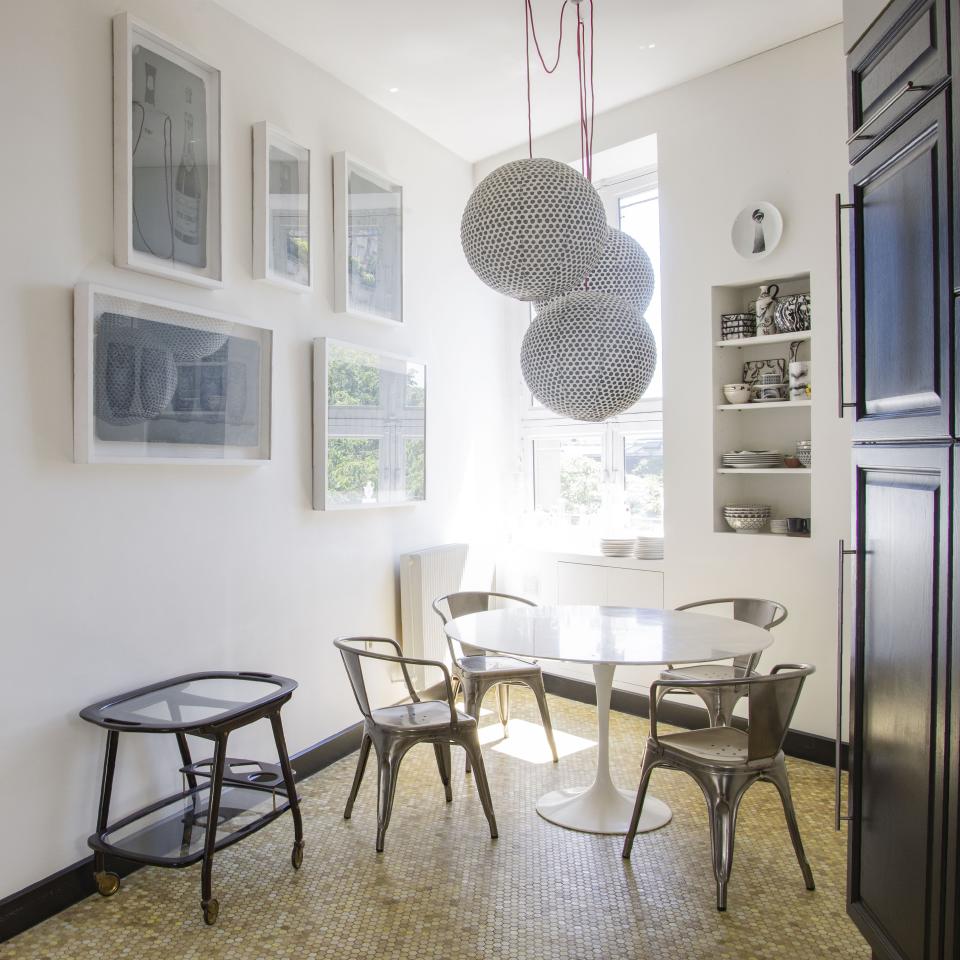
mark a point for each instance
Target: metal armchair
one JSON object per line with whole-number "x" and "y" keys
{"x": 720, "y": 700}
{"x": 392, "y": 731}
{"x": 726, "y": 761}
{"x": 476, "y": 671}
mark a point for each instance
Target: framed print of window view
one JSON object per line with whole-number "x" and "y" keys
{"x": 368, "y": 242}
{"x": 166, "y": 142}
{"x": 281, "y": 210}
{"x": 369, "y": 422}
{"x": 161, "y": 382}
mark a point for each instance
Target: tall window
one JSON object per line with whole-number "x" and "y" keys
{"x": 585, "y": 480}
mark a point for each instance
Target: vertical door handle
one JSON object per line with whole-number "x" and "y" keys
{"x": 842, "y": 552}
{"x": 839, "y": 207}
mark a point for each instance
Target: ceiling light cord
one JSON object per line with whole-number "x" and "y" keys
{"x": 586, "y": 97}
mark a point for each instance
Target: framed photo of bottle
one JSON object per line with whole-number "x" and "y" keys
{"x": 369, "y": 427}
{"x": 368, "y": 242}
{"x": 162, "y": 382}
{"x": 166, "y": 142}
{"x": 281, "y": 210}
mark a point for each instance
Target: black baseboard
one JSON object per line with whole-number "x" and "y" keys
{"x": 49, "y": 896}
{"x": 804, "y": 746}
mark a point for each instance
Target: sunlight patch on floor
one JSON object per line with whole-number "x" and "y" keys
{"x": 528, "y": 742}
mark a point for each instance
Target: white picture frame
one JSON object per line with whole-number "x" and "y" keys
{"x": 167, "y": 157}
{"x": 368, "y": 242}
{"x": 282, "y": 247}
{"x": 369, "y": 447}
{"x": 162, "y": 382}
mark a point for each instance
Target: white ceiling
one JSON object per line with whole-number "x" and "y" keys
{"x": 458, "y": 65}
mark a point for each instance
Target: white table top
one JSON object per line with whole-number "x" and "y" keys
{"x": 615, "y": 635}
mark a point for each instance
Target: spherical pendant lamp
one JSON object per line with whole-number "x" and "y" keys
{"x": 588, "y": 356}
{"x": 533, "y": 229}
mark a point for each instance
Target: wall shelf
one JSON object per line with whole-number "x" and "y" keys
{"x": 773, "y": 471}
{"x": 765, "y": 341}
{"x": 756, "y": 407}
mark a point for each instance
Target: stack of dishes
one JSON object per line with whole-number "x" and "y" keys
{"x": 804, "y": 451}
{"x": 778, "y": 526}
{"x": 752, "y": 459}
{"x": 617, "y": 546}
{"x": 648, "y": 548}
{"x": 747, "y": 518}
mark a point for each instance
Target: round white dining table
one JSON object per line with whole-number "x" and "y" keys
{"x": 607, "y": 637}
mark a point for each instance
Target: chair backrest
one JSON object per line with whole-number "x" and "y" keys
{"x": 354, "y": 650}
{"x": 470, "y": 601}
{"x": 761, "y": 613}
{"x": 773, "y": 699}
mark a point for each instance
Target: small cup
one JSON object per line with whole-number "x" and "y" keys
{"x": 798, "y": 526}
{"x": 736, "y": 393}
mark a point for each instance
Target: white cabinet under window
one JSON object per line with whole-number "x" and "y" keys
{"x": 608, "y": 586}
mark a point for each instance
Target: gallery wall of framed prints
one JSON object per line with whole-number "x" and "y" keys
{"x": 369, "y": 421}
{"x": 282, "y": 250}
{"x": 167, "y": 190}
{"x": 368, "y": 242}
{"x": 161, "y": 382}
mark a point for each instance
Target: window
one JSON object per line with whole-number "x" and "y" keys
{"x": 591, "y": 479}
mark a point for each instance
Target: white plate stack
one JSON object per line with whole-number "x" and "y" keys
{"x": 752, "y": 459}
{"x": 617, "y": 546}
{"x": 778, "y": 525}
{"x": 648, "y": 548}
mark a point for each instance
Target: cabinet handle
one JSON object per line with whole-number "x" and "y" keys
{"x": 908, "y": 87}
{"x": 839, "y": 207}
{"x": 842, "y": 552}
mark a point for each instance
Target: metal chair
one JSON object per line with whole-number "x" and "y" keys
{"x": 720, "y": 701}
{"x": 394, "y": 730}
{"x": 726, "y": 761}
{"x": 476, "y": 672}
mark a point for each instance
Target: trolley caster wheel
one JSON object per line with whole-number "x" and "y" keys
{"x": 211, "y": 910}
{"x": 296, "y": 858}
{"x": 107, "y": 883}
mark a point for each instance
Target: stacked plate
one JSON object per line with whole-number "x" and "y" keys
{"x": 747, "y": 518}
{"x": 778, "y": 526}
{"x": 648, "y": 548}
{"x": 752, "y": 459}
{"x": 617, "y": 546}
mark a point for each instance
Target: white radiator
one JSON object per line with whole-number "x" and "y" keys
{"x": 424, "y": 576}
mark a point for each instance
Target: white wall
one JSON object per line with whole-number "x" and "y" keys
{"x": 113, "y": 576}
{"x": 769, "y": 128}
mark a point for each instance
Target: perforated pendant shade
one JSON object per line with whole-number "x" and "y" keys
{"x": 588, "y": 356}
{"x": 533, "y": 229}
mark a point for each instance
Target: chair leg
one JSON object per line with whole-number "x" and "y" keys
{"x": 358, "y": 776}
{"x": 388, "y": 766}
{"x": 471, "y": 744}
{"x": 649, "y": 762}
{"x": 711, "y": 700}
{"x": 778, "y": 777}
{"x": 540, "y": 693}
{"x": 442, "y": 750}
{"x": 724, "y": 801}
{"x": 503, "y": 706}
{"x": 471, "y": 705}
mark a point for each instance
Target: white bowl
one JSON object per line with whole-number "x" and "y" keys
{"x": 736, "y": 393}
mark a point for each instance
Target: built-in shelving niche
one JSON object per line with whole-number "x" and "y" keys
{"x": 769, "y": 426}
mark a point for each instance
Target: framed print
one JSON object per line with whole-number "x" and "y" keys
{"x": 368, "y": 242}
{"x": 161, "y": 382}
{"x": 369, "y": 423}
{"x": 166, "y": 157}
{"x": 281, "y": 209}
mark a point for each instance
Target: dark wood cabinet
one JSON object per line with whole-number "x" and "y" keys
{"x": 900, "y": 724}
{"x": 900, "y": 289}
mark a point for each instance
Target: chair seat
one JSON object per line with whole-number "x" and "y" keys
{"x": 426, "y": 715}
{"x": 508, "y": 666}
{"x": 720, "y": 746}
{"x": 704, "y": 671}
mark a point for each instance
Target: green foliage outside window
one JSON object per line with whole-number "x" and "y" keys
{"x": 353, "y": 379}
{"x": 352, "y": 462}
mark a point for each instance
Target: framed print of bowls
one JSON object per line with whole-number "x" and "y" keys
{"x": 757, "y": 230}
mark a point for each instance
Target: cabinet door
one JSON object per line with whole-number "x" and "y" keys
{"x": 900, "y": 286}
{"x": 907, "y": 44}
{"x": 898, "y": 699}
{"x": 584, "y": 583}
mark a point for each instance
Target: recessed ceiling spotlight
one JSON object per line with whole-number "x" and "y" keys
{"x": 393, "y": 90}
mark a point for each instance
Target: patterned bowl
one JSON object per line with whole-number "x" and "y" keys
{"x": 746, "y": 524}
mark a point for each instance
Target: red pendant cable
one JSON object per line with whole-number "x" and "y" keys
{"x": 586, "y": 98}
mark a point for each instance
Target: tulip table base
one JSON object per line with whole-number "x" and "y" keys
{"x": 601, "y": 807}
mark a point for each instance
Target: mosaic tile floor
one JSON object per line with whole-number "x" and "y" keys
{"x": 443, "y": 889}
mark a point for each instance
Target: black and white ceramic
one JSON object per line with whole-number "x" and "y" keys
{"x": 757, "y": 230}
{"x": 792, "y": 313}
